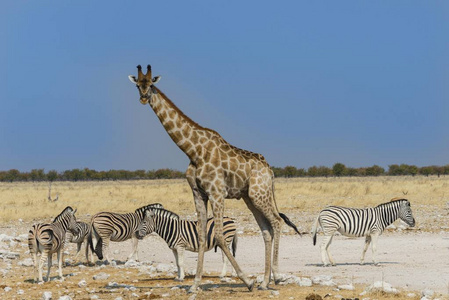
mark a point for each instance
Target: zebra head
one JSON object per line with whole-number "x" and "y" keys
{"x": 146, "y": 225}
{"x": 67, "y": 217}
{"x": 405, "y": 213}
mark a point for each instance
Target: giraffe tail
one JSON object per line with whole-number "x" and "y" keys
{"x": 289, "y": 223}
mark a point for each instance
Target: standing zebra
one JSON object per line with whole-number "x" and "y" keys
{"x": 182, "y": 235}
{"x": 50, "y": 238}
{"x": 355, "y": 222}
{"x": 84, "y": 230}
{"x": 108, "y": 226}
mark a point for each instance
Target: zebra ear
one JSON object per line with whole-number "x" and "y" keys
{"x": 75, "y": 211}
{"x": 149, "y": 213}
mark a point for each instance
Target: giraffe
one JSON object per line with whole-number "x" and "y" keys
{"x": 219, "y": 171}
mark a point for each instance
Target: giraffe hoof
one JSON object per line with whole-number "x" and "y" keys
{"x": 251, "y": 286}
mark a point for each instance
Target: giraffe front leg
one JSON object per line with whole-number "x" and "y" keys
{"x": 218, "y": 208}
{"x": 201, "y": 208}
{"x": 367, "y": 242}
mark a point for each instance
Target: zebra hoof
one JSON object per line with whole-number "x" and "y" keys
{"x": 263, "y": 287}
{"x": 179, "y": 279}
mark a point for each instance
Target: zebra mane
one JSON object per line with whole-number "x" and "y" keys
{"x": 143, "y": 208}
{"x": 164, "y": 212}
{"x": 392, "y": 202}
{"x": 67, "y": 209}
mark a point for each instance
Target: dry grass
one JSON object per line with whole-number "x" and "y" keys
{"x": 28, "y": 201}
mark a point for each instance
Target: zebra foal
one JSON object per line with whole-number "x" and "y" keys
{"x": 181, "y": 235}
{"x": 109, "y": 226}
{"x": 50, "y": 238}
{"x": 354, "y": 222}
{"x": 84, "y": 230}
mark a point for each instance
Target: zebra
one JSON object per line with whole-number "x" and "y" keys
{"x": 84, "y": 230}
{"x": 181, "y": 235}
{"x": 109, "y": 226}
{"x": 355, "y": 222}
{"x": 50, "y": 238}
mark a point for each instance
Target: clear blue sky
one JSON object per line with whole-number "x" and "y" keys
{"x": 302, "y": 82}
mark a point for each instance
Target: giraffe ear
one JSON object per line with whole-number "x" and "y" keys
{"x": 156, "y": 79}
{"x": 132, "y": 79}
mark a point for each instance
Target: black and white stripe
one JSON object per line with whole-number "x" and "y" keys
{"x": 50, "y": 238}
{"x": 181, "y": 235}
{"x": 355, "y": 222}
{"x": 83, "y": 230}
{"x": 109, "y": 226}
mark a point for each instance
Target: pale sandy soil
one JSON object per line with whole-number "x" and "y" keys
{"x": 410, "y": 260}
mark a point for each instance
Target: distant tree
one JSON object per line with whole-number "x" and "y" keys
{"x": 339, "y": 169}
{"x": 52, "y": 175}
{"x": 12, "y": 175}
{"x": 375, "y": 171}
{"x": 290, "y": 171}
{"x": 37, "y": 175}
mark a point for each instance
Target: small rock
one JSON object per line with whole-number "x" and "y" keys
{"x": 46, "y": 296}
{"x": 348, "y": 287}
{"x": 101, "y": 276}
{"x": 93, "y": 297}
{"x": 382, "y": 286}
{"x": 325, "y": 280}
{"x": 411, "y": 295}
{"x": 82, "y": 283}
{"x": 27, "y": 262}
{"x": 427, "y": 293}
{"x": 65, "y": 297}
{"x": 275, "y": 293}
{"x": 7, "y": 289}
{"x": 302, "y": 281}
{"x": 20, "y": 292}
{"x": 163, "y": 268}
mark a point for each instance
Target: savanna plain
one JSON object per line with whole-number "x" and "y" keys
{"x": 415, "y": 261}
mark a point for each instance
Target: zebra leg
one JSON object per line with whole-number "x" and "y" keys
{"x": 324, "y": 248}
{"x": 367, "y": 242}
{"x": 106, "y": 249}
{"x": 374, "y": 248}
{"x": 179, "y": 255}
{"x": 134, "y": 252}
{"x": 49, "y": 263}
{"x": 331, "y": 259}
{"x": 44, "y": 256}
{"x": 78, "y": 250}
{"x": 223, "y": 268}
{"x": 36, "y": 266}
{"x": 60, "y": 256}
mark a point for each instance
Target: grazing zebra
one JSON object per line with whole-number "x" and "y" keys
{"x": 368, "y": 222}
{"x": 108, "y": 226}
{"x": 50, "y": 238}
{"x": 182, "y": 235}
{"x": 84, "y": 230}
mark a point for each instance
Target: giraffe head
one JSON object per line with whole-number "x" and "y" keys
{"x": 145, "y": 84}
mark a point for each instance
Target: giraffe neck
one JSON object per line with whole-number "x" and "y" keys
{"x": 183, "y": 131}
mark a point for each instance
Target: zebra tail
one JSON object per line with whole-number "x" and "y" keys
{"x": 290, "y": 223}
{"x": 314, "y": 230}
{"x": 234, "y": 244}
{"x": 98, "y": 250}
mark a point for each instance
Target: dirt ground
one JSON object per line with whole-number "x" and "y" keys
{"x": 410, "y": 260}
